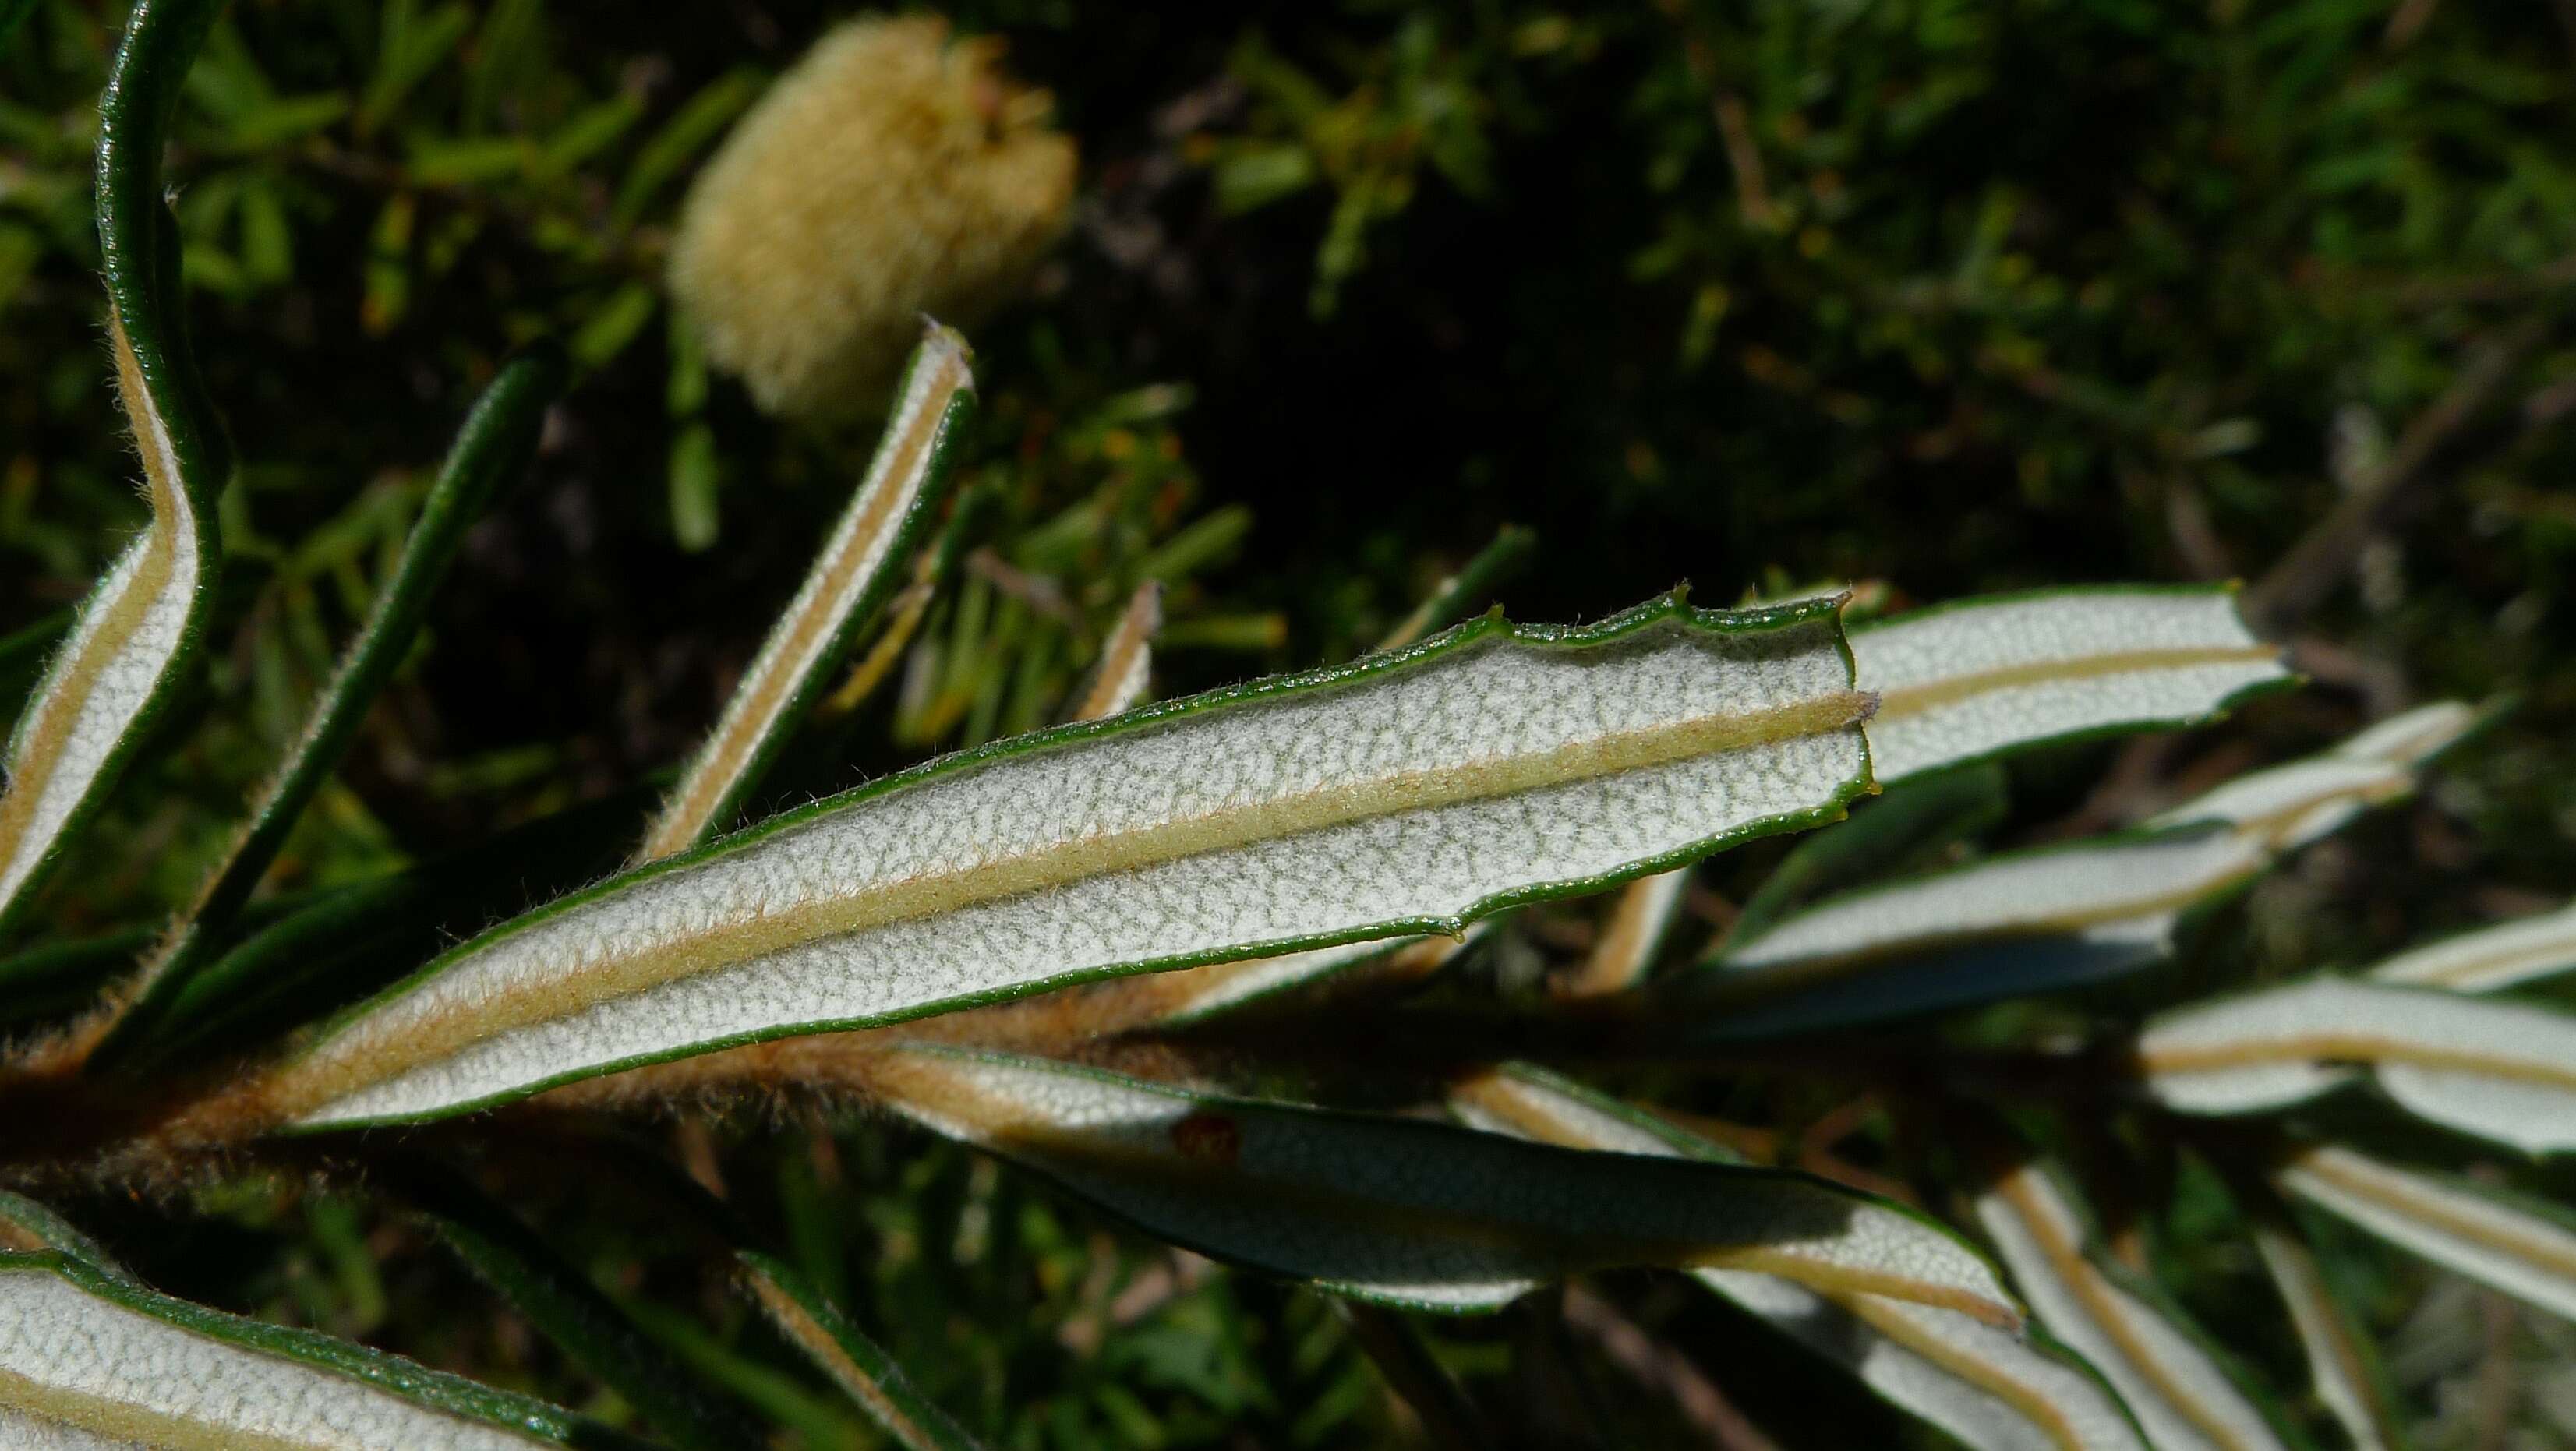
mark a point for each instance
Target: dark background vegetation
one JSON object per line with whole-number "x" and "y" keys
{"x": 1955, "y": 296}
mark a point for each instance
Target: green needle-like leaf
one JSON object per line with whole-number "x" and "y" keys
{"x": 1406, "y": 793}
{"x": 492, "y": 447}
{"x": 90, "y": 1360}
{"x": 563, "y": 1305}
{"x": 858, "y": 1365}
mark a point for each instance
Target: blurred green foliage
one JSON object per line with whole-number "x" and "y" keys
{"x": 1958, "y": 296}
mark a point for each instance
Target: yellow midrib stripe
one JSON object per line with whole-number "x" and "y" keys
{"x": 1908, "y": 700}
{"x": 2356, "y": 1047}
{"x": 2033, "y": 1405}
{"x": 797, "y": 1324}
{"x": 124, "y": 1421}
{"x": 749, "y": 719}
{"x": 2557, "y": 1259}
{"x": 49, "y": 733}
{"x": 2079, "y": 1275}
{"x": 374, "y": 1050}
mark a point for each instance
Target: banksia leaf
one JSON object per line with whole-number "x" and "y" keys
{"x": 1461, "y": 592}
{"x": 1989, "y": 1387}
{"x": 89, "y": 1360}
{"x": 890, "y": 173}
{"x": 2502, "y": 1070}
{"x": 563, "y": 1305}
{"x": 856, "y": 572}
{"x": 493, "y": 446}
{"x": 2502, "y": 956}
{"x": 2171, "y": 1381}
{"x": 1410, "y": 1212}
{"x": 1119, "y": 679}
{"x": 139, "y": 627}
{"x": 858, "y": 1365}
{"x": 2464, "y": 1227}
{"x": 27, "y": 1227}
{"x": 2016, "y": 922}
{"x": 1911, "y": 823}
{"x": 1965, "y": 681}
{"x": 1639, "y": 921}
{"x": 1395, "y": 795}
{"x": 2054, "y": 917}
{"x": 2289, "y": 806}
{"x": 2342, "y": 1362}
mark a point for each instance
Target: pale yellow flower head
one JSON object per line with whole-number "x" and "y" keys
{"x": 892, "y": 172}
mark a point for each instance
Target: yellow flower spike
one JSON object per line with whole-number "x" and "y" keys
{"x": 892, "y": 172}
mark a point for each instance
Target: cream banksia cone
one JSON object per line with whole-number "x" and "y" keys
{"x": 892, "y": 172}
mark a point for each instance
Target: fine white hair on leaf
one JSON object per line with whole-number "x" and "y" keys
{"x": 853, "y": 574}
{"x": 132, "y": 633}
{"x": 1986, "y": 1385}
{"x": 1397, "y": 795}
{"x": 93, "y": 1361}
{"x": 1417, "y": 1213}
{"x": 2173, "y": 1383}
{"x": 1969, "y": 680}
{"x": 2524, "y": 1251}
{"x": 2502, "y": 956}
{"x": 2504, "y": 1071}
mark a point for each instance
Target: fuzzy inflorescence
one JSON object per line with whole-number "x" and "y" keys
{"x": 892, "y": 172}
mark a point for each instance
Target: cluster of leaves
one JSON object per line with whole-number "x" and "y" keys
{"x": 1016, "y": 1309}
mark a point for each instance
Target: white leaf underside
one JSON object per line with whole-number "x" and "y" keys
{"x": 2514, "y": 1250}
{"x": 803, "y": 644}
{"x": 1632, "y": 934}
{"x": 2502, "y": 1070}
{"x": 1983, "y": 1384}
{"x": 120, "y": 652}
{"x": 2058, "y": 916}
{"x": 1412, "y": 1212}
{"x": 1966, "y": 681}
{"x": 2502, "y": 956}
{"x": 1403, "y": 795}
{"x": 2181, "y": 1397}
{"x": 2342, "y": 1382}
{"x": 1125, "y": 669}
{"x": 87, "y": 1372}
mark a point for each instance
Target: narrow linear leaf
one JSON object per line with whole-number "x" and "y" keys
{"x": 2170, "y": 1379}
{"x": 1406, "y": 793}
{"x": 1965, "y": 681}
{"x": 87, "y": 1360}
{"x": 2505, "y": 955}
{"x": 2014, "y": 923}
{"x": 139, "y": 627}
{"x": 565, "y": 1307}
{"x": 23, "y": 653}
{"x": 494, "y": 445}
{"x": 1640, "y": 920}
{"x": 2342, "y": 1362}
{"x": 2505, "y": 1071}
{"x": 850, "y": 580}
{"x": 2524, "y": 1250}
{"x": 1989, "y": 1387}
{"x": 1412, "y": 1212}
{"x": 2289, "y": 806}
{"x": 28, "y": 1227}
{"x": 858, "y": 1365}
{"x": 1120, "y": 678}
{"x": 1908, "y": 824}
{"x": 2053, "y": 917}
{"x": 1460, "y": 592}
